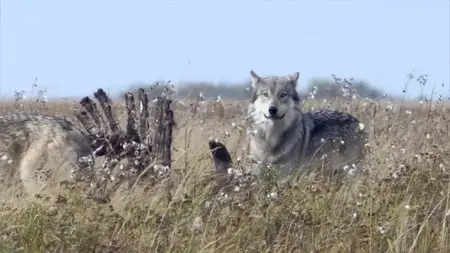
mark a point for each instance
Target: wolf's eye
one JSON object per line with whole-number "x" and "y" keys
{"x": 283, "y": 94}
{"x": 265, "y": 94}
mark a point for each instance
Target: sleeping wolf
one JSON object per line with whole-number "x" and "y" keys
{"x": 36, "y": 150}
{"x": 285, "y": 137}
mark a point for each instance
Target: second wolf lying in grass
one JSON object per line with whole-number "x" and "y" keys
{"x": 286, "y": 137}
{"x": 36, "y": 150}
{"x": 40, "y": 151}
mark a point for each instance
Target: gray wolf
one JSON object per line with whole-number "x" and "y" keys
{"x": 38, "y": 150}
{"x": 283, "y": 136}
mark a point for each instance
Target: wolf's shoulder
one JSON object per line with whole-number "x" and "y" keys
{"x": 22, "y": 116}
{"x": 33, "y": 120}
{"x": 322, "y": 118}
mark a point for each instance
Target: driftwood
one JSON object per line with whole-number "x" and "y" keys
{"x": 145, "y": 145}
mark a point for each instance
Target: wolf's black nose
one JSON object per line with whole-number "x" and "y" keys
{"x": 273, "y": 110}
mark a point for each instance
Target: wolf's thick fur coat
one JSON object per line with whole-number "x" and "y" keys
{"x": 284, "y": 136}
{"x": 38, "y": 150}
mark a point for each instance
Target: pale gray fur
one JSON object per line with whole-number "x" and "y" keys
{"x": 38, "y": 150}
{"x": 291, "y": 139}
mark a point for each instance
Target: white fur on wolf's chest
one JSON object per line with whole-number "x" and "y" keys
{"x": 259, "y": 151}
{"x": 264, "y": 135}
{"x": 262, "y": 160}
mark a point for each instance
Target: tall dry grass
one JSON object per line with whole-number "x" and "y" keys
{"x": 398, "y": 203}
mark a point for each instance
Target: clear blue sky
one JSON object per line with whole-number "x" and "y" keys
{"x": 73, "y": 47}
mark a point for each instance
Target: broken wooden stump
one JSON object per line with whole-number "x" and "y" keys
{"x": 143, "y": 148}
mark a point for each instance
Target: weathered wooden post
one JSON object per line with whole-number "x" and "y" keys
{"x": 146, "y": 143}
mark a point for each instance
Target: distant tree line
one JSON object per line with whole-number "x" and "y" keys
{"x": 318, "y": 87}
{"x": 333, "y": 87}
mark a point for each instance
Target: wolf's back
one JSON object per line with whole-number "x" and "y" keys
{"x": 335, "y": 132}
{"x": 36, "y": 150}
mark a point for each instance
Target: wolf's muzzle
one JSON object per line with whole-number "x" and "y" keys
{"x": 273, "y": 111}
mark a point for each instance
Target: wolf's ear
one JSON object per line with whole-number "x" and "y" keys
{"x": 294, "y": 78}
{"x": 255, "y": 78}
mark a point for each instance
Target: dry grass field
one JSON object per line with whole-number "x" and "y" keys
{"x": 399, "y": 202}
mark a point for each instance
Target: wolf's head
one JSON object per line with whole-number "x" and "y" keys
{"x": 274, "y": 100}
